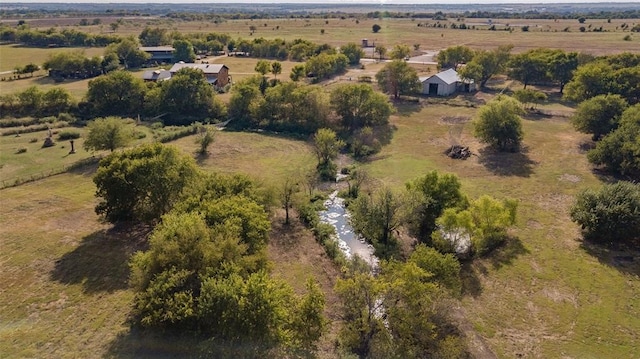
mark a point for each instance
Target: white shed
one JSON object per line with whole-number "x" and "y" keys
{"x": 445, "y": 83}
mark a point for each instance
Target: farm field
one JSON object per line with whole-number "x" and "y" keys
{"x": 547, "y": 294}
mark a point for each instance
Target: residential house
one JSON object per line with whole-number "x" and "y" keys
{"x": 446, "y": 83}
{"x": 217, "y": 74}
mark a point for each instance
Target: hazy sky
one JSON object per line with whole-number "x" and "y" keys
{"x": 335, "y": 1}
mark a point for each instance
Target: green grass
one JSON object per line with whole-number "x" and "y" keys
{"x": 549, "y": 295}
{"x": 16, "y": 55}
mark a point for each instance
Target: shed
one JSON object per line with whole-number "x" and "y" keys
{"x": 156, "y": 75}
{"x": 446, "y": 83}
{"x": 159, "y": 54}
{"x": 216, "y": 74}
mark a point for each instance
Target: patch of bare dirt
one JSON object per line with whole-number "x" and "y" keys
{"x": 570, "y": 178}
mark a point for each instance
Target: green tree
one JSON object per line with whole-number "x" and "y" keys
{"x": 188, "y": 97}
{"x": 30, "y": 68}
{"x": 297, "y": 72}
{"x": 375, "y": 28}
{"x": 287, "y": 193}
{"x": 276, "y": 68}
{"x": 486, "y": 64}
{"x": 529, "y": 67}
{"x": 398, "y": 78}
{"x": 359, "y": 106}
{"x": 204, "y": 139}
{"x": 326, "y": 65}
{"x": 430, "y": 195}
{"x": 563, "y": 65}
{"x": 142, "y": 183}
{"x": 263, "y": 67}
{"x": 377, "y": 217}
{"x": 353, "y": 52}
{"x": 128, "y": 52}
{"x": 327, "y": 145}
{"x": 491, "y": 219}
{"x": 452, "y": 57}
{"x": 610, "y": 213}
{"x": 244, "y": 97}
{"x": 118, "y": 93}
{"x": 154, "y": 36}
{"x": 400, "y": 52}
{"x": 527, "y": 96}
{"x": 55, "y": 101}
{"x": 499, "y": 124}
{"x": 308, "y": 321}
{"x": 107, "y": 133}
{"x": 599, "y": 115}
{"x": 183, "y": 51}
{"x": 619, "y": 151}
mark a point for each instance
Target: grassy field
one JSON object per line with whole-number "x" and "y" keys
{"x": 546, "y": 295}
{"x": 64, "y": 283}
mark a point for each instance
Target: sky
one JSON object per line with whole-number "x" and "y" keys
{"x": 334, "y": 1}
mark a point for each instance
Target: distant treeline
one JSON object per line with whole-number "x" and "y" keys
{"x": 192, "y": 12}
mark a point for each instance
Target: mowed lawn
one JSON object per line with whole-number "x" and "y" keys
{"x": 64, "y": 280}
{"x": 545, "y": 295}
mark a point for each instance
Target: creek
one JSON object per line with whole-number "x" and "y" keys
{"x": 349, "y": 242}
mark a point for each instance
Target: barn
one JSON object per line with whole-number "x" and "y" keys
{"x": 446, "y": 83}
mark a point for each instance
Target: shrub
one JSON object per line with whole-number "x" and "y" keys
{"x": 609, "y": 214}
{"x": 68, "y": 135}
{"x": 21, "y": 150}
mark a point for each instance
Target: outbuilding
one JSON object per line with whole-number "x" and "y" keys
{"x": 216, "y": 74}
{"x": 446, "y": 83}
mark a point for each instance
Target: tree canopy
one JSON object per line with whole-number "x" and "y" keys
{"x": 610, "y": 213}
{"x": 107, "y": 134}
{"x": 353, "y": 52}
{"x": 142, "y": 183}
{"x": 498, "y": 123}
{"x": 452, "y": 57}
{"x": 486, "y": 64}
{"x": 118, "y": 93}
{"x": 599, "y": 115}
{"x": 398, "y": 78}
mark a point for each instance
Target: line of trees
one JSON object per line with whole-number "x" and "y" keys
{"x": 23, "y": 34}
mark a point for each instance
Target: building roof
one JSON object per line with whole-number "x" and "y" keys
{"x": 156, "y": 48}
{"x": 206, "y": 68}
{"x": 449, "y": 77}
{"x": 156, "y": 75}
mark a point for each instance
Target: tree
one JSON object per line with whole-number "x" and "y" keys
{"x": 30, "y": 68}
{"x": 528, "y": 67}
{"x": 128, "y": 52}
{"x": 289, "y": 189}
{"x": 400, "y": 52}
{"x": 610, "y": 213}
{"x": 527, "y": 96}
{"x": 359, "y": 106}
{"x": 142, "y": 183}
{"x": 619, "y": 151}
{"x": 499, "y": 125}
{"x": 377, "y": 217}
{"x": 244, "y": 97}
{"x": 276, "y": 68}
{"x": 326, "y": 65}
{"x": 327, "y": 145}
{"x": 430, "y": 195}
{"x": 309, "y": 323}
{"x": 353, "y": 52}
{"x": 485, "y": 64}
{"x": 263, "y": 67}
{"x": 599, "y": 115}
{"x": 55, "y": 101}
{"x": 563, "y": 65}
{"x": 118, "y": 93}
{"x": 183, "y": 51}
{"x": 380, "y": 50}
{"x": 375, "y": 28}
{"x": 398, "y": 78}
{"x": 154, "y": 37}
{"x": 188, "y": 97}
{"x": 204, "y": 139}
{"x": 297, "y": 72}
{"x": 490, "y": 219}
{"x": 452, "y": 57}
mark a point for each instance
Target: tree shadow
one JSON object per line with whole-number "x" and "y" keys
{"x": 101, "y": 261}
{"x": 507, "y": 253}
{"x": 623, "y": 258}
{"x": 407, "y": 108}
{"x": 138, "y": 343}
{"x": 507, "y": 163}
{"x": 470, "y": 273}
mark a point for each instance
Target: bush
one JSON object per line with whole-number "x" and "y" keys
{"x": 66, "y": 117}
{"x": 327, "y": 171}
{"x": 68, "y": 135}
{"x": 21, "y": 150}
{"x": 609, "y": 214}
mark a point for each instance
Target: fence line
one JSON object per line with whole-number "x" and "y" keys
{"x": 52, "y": 172}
